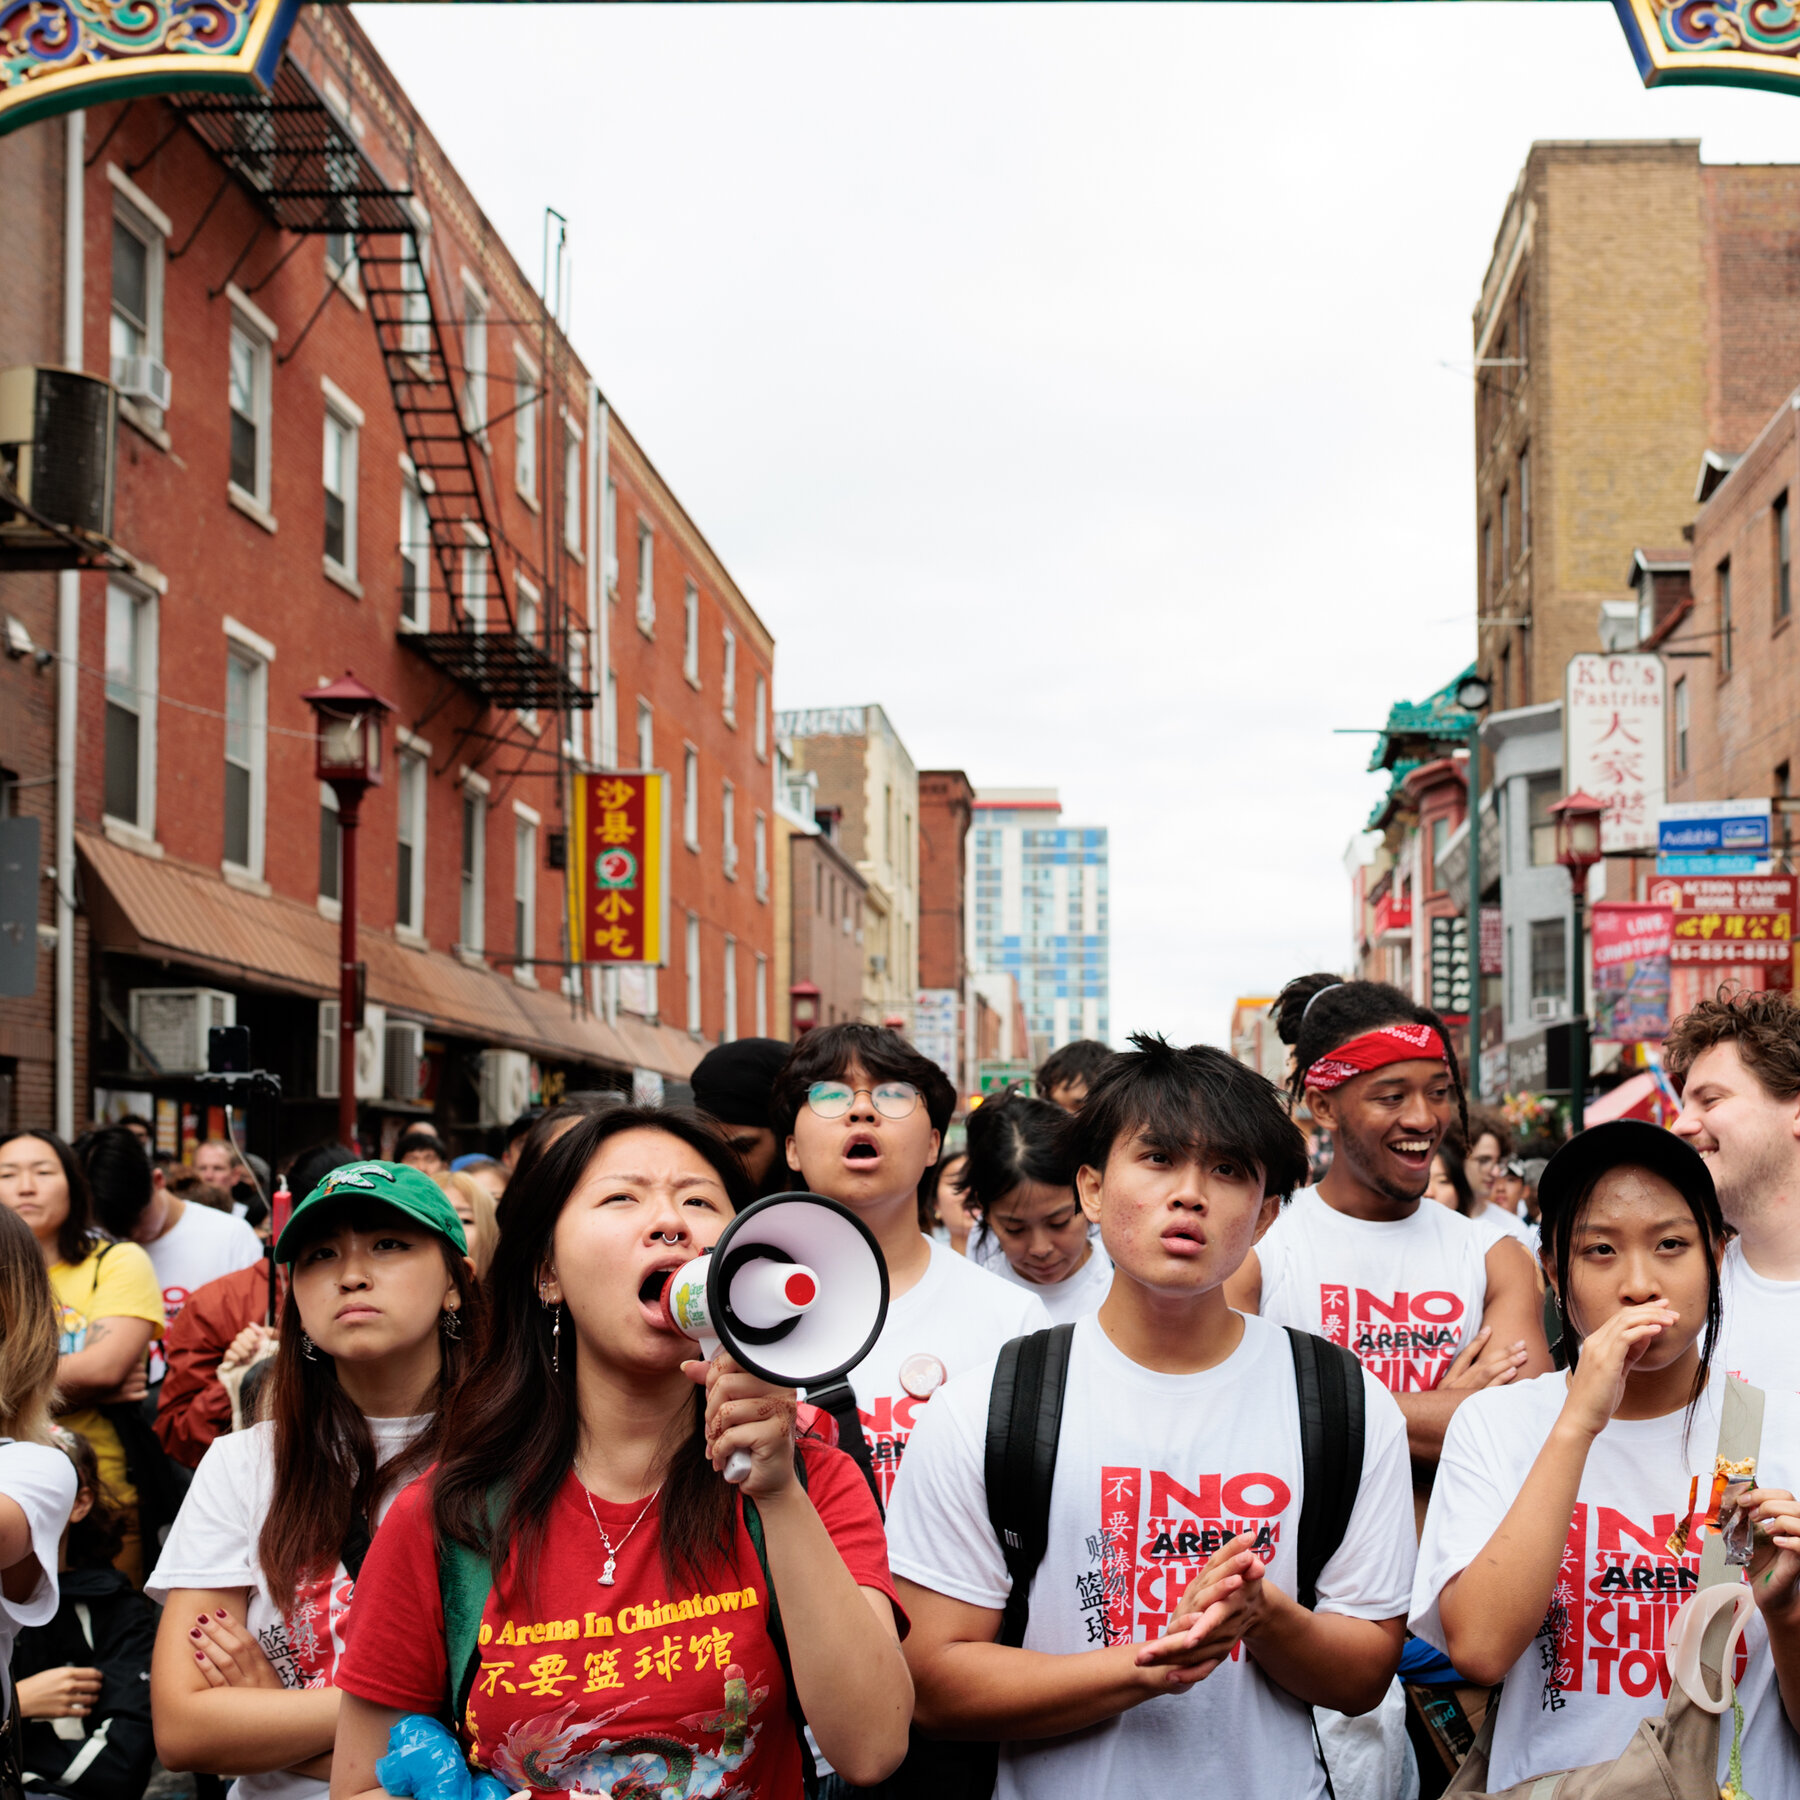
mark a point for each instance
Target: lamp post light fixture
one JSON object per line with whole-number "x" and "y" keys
{"x": 1473, "y": 695}
{"x": 804, "y": 996}
{"x": 1577, "y": 818}
{"x": 347, "y": 757}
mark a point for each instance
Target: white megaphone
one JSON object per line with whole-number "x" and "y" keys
{"x": 796, "y": 1289}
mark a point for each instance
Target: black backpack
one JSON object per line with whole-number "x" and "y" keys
{"x": 1023, "y": 1429}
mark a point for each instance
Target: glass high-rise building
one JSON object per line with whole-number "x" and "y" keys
{"x": 1037, "y": 910}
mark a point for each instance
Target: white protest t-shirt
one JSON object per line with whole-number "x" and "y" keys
{"x": 213, "y": 1544}
{"x": 1153, "y": 1473}
{"x": 42, "y": 1483}
{"x": 1495, "y": 1222}
{"x": 203, "y": 1244}
{"x": 1404, "y": 1294}
{"x": 1596, "y": 1666}
{"x": 1760, "y": 1342}
{"x": 957, "y": 1313}
{"x": 1076, "y": 1295}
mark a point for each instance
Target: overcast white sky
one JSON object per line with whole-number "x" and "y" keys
{"x": 1069, "y": 379}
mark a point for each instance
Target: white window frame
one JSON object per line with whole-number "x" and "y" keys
{"x": 690, "y": 634}
{"x": 475, "y": 309}
{"x": 761, "y": 998}
{"x": 415, "y": 288}
{"x": 576, "y": 663}
{"x": 760, "y": 851}
{"x": 646, "y": 594}
{"x": 730, "y": 985}
{"x": 528, "y": 383}
{"x": 728, "y": 830}
{"x": 418, "y": 752}
{"x": 347, "y": 416}
{"x": 247, "y": 326}
{"x": 529, "y": 608}
{"x": 527, "y": 823}
{"x": 144, "y": 220}
{"x": 471, "y": 884}
{"x": 728, "y": 701}
{"x": 646, "y": 734}
{"x": 145, "y": 624}
{"x": 690, "y": 797}
{"x": 760, "y": 730}
{"x": 477, "y": 560}
{"x": 692, "y": 972}
{"x": 571, "y": 504}
{"x": 255, "y": 653}
{"x": 415, "y": 518}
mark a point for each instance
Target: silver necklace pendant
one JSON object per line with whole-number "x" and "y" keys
{"x": 606, "y": 1574}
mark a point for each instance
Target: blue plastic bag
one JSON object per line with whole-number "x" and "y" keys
{"x": 425, "y": 1762}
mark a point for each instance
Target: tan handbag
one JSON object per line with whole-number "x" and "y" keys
{"x": 1675, "y": 1755}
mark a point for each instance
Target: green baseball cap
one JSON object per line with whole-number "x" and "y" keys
{"x": 405, "y": 1189}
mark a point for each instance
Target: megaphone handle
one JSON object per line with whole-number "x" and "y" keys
{"x": 737, "y": 1470}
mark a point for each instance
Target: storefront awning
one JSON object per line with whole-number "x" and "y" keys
{"x": 171, "y": 911}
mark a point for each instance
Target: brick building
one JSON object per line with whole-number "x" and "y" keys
{"x": 373, "y": 449}
{"x": 1639, "y": 312}
{"x": 946, "y": 806}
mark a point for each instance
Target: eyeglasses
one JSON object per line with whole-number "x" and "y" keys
{"x": 832, "y": 1099}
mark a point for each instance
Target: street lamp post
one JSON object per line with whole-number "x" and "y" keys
{"x": 1577, "y": 819}
{"x": 347, "y": 756}
{"x": 1473, "y": 695}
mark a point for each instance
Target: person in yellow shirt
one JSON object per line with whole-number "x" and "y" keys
{"x": 108, "y": 1303}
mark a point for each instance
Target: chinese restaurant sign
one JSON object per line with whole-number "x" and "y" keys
{"x": 1613, "y": 743}
{"x": 619, "y": 868}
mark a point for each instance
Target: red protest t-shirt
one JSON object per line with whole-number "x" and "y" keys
{"x": 627, "y": 1691}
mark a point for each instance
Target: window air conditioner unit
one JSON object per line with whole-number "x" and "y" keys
{"x": 142, "y": 378}
{"x": 877, "y": 963}
{"x": 371, "y": 1046}
{"x": 58, "y": 432}
{"x": 505, "y": 1086}
{"x": 1547, "y": 1006}
{"x": 405, "y": 1060}
{"x": 172, "y": 1023}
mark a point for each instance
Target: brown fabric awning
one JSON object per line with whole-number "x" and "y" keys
{"x": 162, "y": 909}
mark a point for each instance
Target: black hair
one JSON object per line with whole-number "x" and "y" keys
{"x": 94, "y": 1541}
{"x": 522, "y": 1124}
{"x": 313, "y": 1164}
{"x": 826, "y": 1053}
{"x": 1084, "y": 1060}
{"x": 419, "y": 1137}
{"x": 1558, "y": 1224}
{"x": 118, "y": 1176}
{"x": 1189, "y": 1101}
{"x": 1449, "y": 1153}
{"x": 75, "y": 1236}
{"x": 1013, "y": 1139}
{"x": 1316, "y": 1014}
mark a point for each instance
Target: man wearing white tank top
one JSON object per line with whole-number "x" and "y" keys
{"x": 1736, "y": 1061}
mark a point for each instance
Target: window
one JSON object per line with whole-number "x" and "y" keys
{"x": 415, "y": 298}
{"x": 609, "y": 539}
{"x": 525, "y": 830}
{"x": 409, "y": 861}
{"x": 646, "y": 595}
{"x": 1505, "y": 531}
{"x": 1505, "y": 677}
{"x": 690, "y": 638}
{"x": 1725, "y": 624}
{"x": 573, "y": 745}
{"x": 1488, "y": 583}
{"x": 340, "y": 255}
{"x": 472, "y": 925}
{"x": 1522, "y": 326}
{"x": 646, "y": 736}
{"x": 730, "y": 819}
{"x": 1784, "y": 560}
{"x": 340, "y": 490}
{"x": 571, "y": 487}
{"x": 609, "y": 720}
{"x": 693, "y": 972}
{"x": 130, "y": 783}
{"x": 1541, "y": 793}
{"x": 731, "y": 997}
{"x": 525, "y": 425}
{"x": 729, "y": 679}
{"x": 760, "y": 1000}
{"x": 475, "y": 365}
{"x": 759, "y": 849}
{"x": 1524, "y": 498}
{"x": 690, "y": 798}
{"x": 760, "y": 726}
{"x": 137, "y": 295}
{"x": 528, "y": 612}
{"x": 474, "y": 579}
{"x": 1440, "y": 835}
{"x": 1549, "y": 960}
{"x": 415, "y": 558}
{"x": 249, "y": 389}
{"x": 1681, "y": 726}
{"x": 331, "y": 847}
{"x": 246, "y": 702}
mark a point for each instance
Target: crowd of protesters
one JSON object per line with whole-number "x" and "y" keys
{"x": 1327, "y": 1441}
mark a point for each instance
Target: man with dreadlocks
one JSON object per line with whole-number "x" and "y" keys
{"x": 1430, "y": 1308}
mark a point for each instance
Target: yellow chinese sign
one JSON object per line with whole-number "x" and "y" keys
{"x": 619, "y": 867}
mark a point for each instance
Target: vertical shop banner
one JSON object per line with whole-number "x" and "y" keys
{"x": 619, "y": 868}
{"x": 1631, "y": 972}
{"x": 934, "y": 1028}
{"x": 1730, "y": 931}
{"x": 1613, "y": 743}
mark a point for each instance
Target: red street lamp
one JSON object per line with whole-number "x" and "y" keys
{"x": 804, "y": 996}
{"x": 347, "y": 756}
{"x": 1577, "y": 817}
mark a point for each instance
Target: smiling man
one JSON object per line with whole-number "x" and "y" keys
{"x": 1736, "y": 1062}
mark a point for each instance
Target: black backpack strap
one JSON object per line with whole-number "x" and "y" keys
{"x": 1024, "y": 1422}
{"x": 839, "y": 1399}
{"x": 809, "y": 1771}
{"x": 1328, "y": 1379}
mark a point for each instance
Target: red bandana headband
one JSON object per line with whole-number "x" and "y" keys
{"x": 1375, "y": 1050}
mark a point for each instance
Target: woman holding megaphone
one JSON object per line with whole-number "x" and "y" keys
{"x": 610, "y": 1614}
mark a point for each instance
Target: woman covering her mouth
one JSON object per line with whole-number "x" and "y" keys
{"x": 628, "y": 1620}
{"x": 259, "y": 1571}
